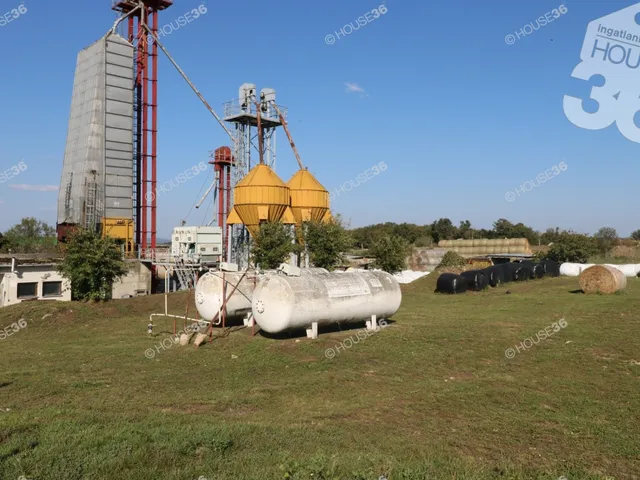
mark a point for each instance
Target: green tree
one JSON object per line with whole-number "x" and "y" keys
{"x": 635, "y": 235}
{"x": 30, "y": 236}
{"x": 272, "y": 245}
{"x": 92, "y": 264}
{"x": 606, "y": 238}
{"x": 443, "y": 229}
{"x": 572, "y": 247}
{"x": 550, "y": 235}
{"x": 465, "y": 231}
{"x": 390, "y": 253}
{"x": 503, "y": 228}
{"x": 326, "y": 242}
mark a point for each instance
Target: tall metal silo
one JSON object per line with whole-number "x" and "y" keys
{"x": 96, "y": 185}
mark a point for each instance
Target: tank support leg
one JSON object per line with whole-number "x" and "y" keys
{"x": 249, "y": 320}
{"x": 313, "y": 331}
{"x": 373, "y": 323}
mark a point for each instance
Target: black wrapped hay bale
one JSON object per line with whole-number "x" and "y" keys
{"x": 551, "y": 268}
{"x": 451, "y": 283}
{"x": 509, "y": 272}
{"x": 495, "y": 275}
{"x": 476, "y": 280}
{"x": 528, "y": 270}
{"x": 524, "y": 273}
{"x": 539, "y": 270}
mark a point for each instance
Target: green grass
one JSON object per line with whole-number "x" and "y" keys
{"x": 431, "y": 396}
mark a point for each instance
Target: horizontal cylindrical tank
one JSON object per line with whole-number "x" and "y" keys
{"x": 209, "y": 295}
{"x": 283, "y": 303}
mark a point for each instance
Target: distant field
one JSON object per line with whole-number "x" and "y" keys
{"x": 431, "y": 396}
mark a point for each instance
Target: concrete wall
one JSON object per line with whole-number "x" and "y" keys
{"x": 32, "y": 274}
{"x": 136, "y": 282}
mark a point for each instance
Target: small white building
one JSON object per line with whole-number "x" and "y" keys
{"x": 33, "y": 282}
{"x": 196, "y": 245}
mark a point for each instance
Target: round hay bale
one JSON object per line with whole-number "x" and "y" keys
{"x": 602, "y": 279}
{"x": 551, "y": 268}
{"x": 494, "y": 275}
{"x": 529, "y": 269}
{"x": 476, "y": 280}
{"x": 539, "y": 269}
{"x": 451, "y": 283}
{"x": 570, "y": 269}
{"x": 627, "y": 270}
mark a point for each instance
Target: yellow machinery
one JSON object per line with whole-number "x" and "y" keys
{"x": 262, "y": 196}
{"x": 259, "y": 197}
{"x": 121, "y": 229}
{"x": 309, "y": 199}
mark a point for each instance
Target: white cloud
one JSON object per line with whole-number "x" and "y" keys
{"x": 354, "y": 87}
{"x": 34, "y": 188}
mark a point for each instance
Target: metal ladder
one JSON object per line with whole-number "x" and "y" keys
{"x": 184, "y": 275}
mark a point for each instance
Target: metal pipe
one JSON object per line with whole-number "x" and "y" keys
{"x": 145, "y": 125}
{"x": 193, "y": 87}
{"x": 260, "y": 135}
{"x": 206, "y": 194}
{"x": 224, "y": 304}
{"x": 154, "y": 129}
{"x": 286, "y": 130}
{"x": 117, "y": 22}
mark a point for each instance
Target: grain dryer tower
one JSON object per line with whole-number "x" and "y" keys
{"x": 110, "y": 156}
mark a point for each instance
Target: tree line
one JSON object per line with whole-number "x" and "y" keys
{"x": 444, "y": 229}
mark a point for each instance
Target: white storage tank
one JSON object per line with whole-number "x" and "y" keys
{"x": 209, "y": 296}
{"x": 283, "y": 303}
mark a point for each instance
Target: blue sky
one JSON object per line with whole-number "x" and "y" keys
{"x": 430, "y": 88}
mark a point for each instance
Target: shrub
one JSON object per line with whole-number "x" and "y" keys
{"x": 390, "y": 253}
{"x": 272, "y": 245}
{"x": 572, "y": 247}
{"x": 452, "y": 259}
{"x": 326, "y": 241}
{"x": 92, "y": 264}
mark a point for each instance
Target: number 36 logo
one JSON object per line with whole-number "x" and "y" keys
{"x": 610, "y": 50}
{"x": 613, "y": 105}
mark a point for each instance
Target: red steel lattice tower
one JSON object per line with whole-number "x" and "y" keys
{"x": 222, "y": 164}
{"x": 145, "y": 114}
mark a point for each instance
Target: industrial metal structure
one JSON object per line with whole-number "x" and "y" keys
{"x": 97, "y": 176}
{"x": 254, "y": 120}
{"x": 111, "y": 151}
{"x": 109, "y": 174}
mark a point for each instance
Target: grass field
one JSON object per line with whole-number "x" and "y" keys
{"x": 433, "y": 395}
